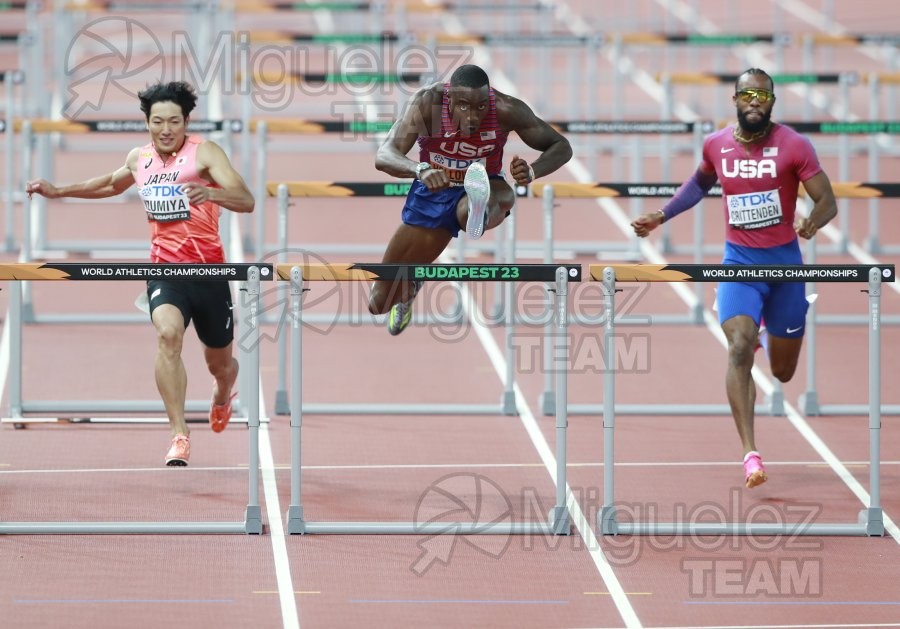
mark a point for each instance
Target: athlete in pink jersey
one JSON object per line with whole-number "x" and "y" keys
{"x": 183, "y": 182}
{"x": 461, "y": 128}
{"x": 760, "y": 165}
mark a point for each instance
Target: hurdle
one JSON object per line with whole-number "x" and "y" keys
{"x": 251, "y": 275}
{"x": 808, "y": 401}
{"x": 12, "y": 107}
{"x": 696, "y": 44}
{"x": 844, "y": 81}
{"x": 635, "y": 191}
{"x": 115, "y": 271}
{"x": 876, "y": 81}
{"x": 870, "y": 522}
{"x": 457, "y": 272}
{"x": 559, "y": 520}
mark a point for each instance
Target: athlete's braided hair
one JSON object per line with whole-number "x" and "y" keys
{"x": 754, "y": 72}
{"x": 178, "y": 92}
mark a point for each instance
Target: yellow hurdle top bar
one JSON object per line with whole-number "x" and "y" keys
{"x": 742, "y": 273}
{"x": 364, "y": 272}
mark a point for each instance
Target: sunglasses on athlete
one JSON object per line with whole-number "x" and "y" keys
{"x": 763, "y": 96}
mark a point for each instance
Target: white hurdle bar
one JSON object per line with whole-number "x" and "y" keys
{"x": 559, "y": 519}
{"x": 870, "y": 521}
{"x": 252, "y": 522}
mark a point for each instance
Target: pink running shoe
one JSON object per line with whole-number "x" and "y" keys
{"x": 754, "y": 472}
{"x": 179, "y": 452}
{"x": 220, "y": 415}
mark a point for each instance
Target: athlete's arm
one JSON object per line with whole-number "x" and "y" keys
{"x": 415, "y": 122}
{"x": 101, "y": 187}
{"x": 687, "y": 196}
{"x": 232, "y": 193}
{"x": 818, "y": 187}
{"x": 515, "y": 115}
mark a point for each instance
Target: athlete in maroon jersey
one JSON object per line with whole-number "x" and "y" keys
{"x": 461, "y": 128}
{"x": 184, "y": 181}
{"x": 760, "y": 165}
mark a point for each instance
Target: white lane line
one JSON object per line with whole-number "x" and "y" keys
{"x": 289, "y": 615}
{"x": 421, "y": 466}
{"x": 581, "y": 523}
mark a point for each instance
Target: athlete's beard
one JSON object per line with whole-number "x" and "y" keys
{"x": 754, "y": 127}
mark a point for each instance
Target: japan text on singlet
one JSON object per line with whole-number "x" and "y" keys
{"x": 760, "y": 183}
{"x": 453, "y": 153}
{"x": 181, "y": 232}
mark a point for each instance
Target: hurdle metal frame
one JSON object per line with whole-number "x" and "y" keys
{"x": 808, "y": 401}
{"x": 251, "y": 275}
{"x": 243, "y": 407}
{"x": 507, "y": 405}
{"x": 559, "y": 518}
{"x": 12, "y": 107}
{"x": 870, "y": 522}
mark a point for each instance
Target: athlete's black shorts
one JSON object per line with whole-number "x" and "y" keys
{"x": 208, "y": 303}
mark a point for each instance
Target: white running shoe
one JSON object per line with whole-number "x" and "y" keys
{"x": 478, "y": 189}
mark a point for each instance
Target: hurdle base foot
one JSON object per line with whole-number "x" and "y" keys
{"x": 296, "y": 525}
{"x": 873, "y": 519}
{"x": 547, "y": 402}
{"x": 873, "y": 245}
{"x": 697, "y": 314}
{"x": 560, "y": 523}
{"x": 508, "y": 403}
{"x": 253, "y": 520}
{"x": 776, "y": 403}
{"x": 808, "y": 403}
{"x": 606, "y": 520}
{"x": 282, "y": 406}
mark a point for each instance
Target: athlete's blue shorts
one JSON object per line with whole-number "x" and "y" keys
{"x": 782, "y": 305}
{"x": 434, "y": 209}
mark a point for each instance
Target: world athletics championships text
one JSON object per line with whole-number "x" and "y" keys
{"x": 161, "y": 270}
{"x": 764, "y": 274}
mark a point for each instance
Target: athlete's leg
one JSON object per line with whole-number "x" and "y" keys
{"x": 784, "y": 353}
{"x": 741, "y": 332}
{"x": 785, "y": 311}
{"x": 501, "y": 201}
{"x": 224, "y": 368}
{"x": 410, "y": 244}
{"x": 171, "y": 378}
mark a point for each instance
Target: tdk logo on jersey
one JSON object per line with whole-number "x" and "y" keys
{"x": 748, "y": 168}
{"x": 161, "y": 192}
{"x": 752, "y": 200}
{"x": 464, "y": 149}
